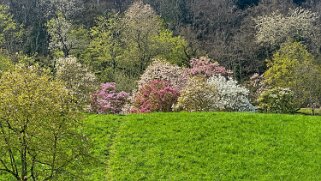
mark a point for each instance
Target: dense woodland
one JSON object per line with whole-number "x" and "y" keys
{"x": 61, "y": 58}
{"x": 222, "y": 29}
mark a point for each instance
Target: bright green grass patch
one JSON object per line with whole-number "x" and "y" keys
{"x": 308, "y": 111}
{"x": 208, "y": 146}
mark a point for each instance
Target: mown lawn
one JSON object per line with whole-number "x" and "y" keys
{"x": 206, "y": 146}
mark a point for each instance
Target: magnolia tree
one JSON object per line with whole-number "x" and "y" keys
{"x": 156, "y": 95}
{"x": 77, "y": 78}
{"x": 178, "y": 76}
{"x": 197, "y": 95}
{"x": 108, "y": 100}
{"x": 205, "y": 67}
{"x": 231, "y": 96}
{"x": 215, "y": 93}
{"x": 162, "y": 70}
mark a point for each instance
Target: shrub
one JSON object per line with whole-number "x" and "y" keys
{"x": 107, "y": 100}
{"x": 77, "y": 78}
{"x": 197, "y": 96}
{"x": 231, "y": 97}
{"x": 204, "y": 67}
{"x": 162, "y": 70}
{"x": 277, "y": 100}
{"x": 156, "y": 95}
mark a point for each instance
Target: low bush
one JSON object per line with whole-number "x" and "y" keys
{"x": 277, "y": 100}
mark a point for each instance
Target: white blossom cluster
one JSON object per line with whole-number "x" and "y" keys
{"x": 276, "y": 27}
{"x": 230, "y": 95}
{"x": 77, "y": 77}
{"x": 58, "y": 29}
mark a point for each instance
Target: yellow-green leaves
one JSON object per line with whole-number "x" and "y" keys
{"x": 10, "y": 31}
{"x": 38, "y": 119}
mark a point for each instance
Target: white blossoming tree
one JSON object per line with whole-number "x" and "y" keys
{"x": 276, "y": 28}
{"x": 231, "y": 96}
{"x": 77, "y": 78}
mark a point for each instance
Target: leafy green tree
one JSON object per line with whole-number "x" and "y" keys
{"x": 104, "y": 47}
{"x": 10, "y": 31}
{"x": 145, "y": 37}
{"x": 140, "y": 24}
{"x": 295, "y": 68}
{"x": 66, "y": 39}
{"x": 170, "y": 47}
{"x": 281, "y": 67}
{"x": 5, "y": 63}
{"x": 123, "y": 46}
{"x": 38, "y": 121}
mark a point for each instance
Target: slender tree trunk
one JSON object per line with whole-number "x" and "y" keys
{"x": 24, "y": 173}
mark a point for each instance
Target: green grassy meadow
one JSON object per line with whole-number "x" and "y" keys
{"x": 205, "y": 146}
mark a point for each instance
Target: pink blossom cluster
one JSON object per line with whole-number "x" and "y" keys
{"x": 162, "y": 70}
{"x": 107, "y": 100}
{"x": 203, "y": 66}
{"x": 156, "y": 95}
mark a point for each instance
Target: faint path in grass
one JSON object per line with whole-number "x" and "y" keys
{"x": 101, "y": 130}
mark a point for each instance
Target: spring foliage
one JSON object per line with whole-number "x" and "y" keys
{"x": 37, "y": 125}
{"x": 215, "y": 93}
{"x": 277, "y": 100}
{"x": 294, "y": 67}
{"x": 10, "y": 31}
{"x": 231, "y": 96}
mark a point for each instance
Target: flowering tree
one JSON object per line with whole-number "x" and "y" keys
{"x": 77, "y": 78}
{"x": 156, "y": 95}
{"x": 162, "y": 70}
{"x": 59, "y": 31}
{"x": 205, "y": 67}
{"x": 107, "y": 100}
{"x": 231, "y": 97}
{"x": 277, "y": 28}
{"x": 197, "y": 95}
{"x": 278, "y": 100}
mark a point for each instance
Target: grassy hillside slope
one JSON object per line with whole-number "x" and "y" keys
{"x": 208, "y": 146}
